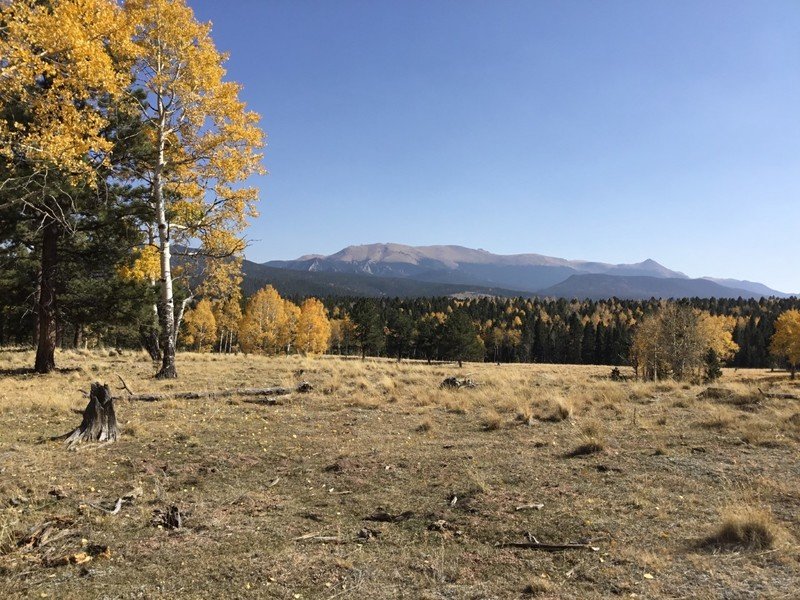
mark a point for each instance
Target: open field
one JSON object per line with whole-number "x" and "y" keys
{"x": 685, "y": 496}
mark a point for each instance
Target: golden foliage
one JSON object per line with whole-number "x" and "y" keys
{"x": 313, "y": 328}
{"x": 58, "y": 59}
{"x": 146, "y": 266}
{"x": 211, "y": 142}
{"x": 786, "y": 340}
{"x": 717, "y": 331}
{"x": 343, "y": 333}
{"x": 676, "y": 339}
{"x": 201, "y": 327}
{"x": 267, "y": 325}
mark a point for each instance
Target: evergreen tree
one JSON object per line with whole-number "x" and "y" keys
{"x": 370, "y": 334}
{"x": 460, "y": 339}
{"x": 400, "y": 336}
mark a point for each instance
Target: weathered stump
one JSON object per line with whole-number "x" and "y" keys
{"x": 99, "y": 421}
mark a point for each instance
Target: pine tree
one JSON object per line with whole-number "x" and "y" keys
{"x": 460, "y": 339}
{"x": 713, "y": 365}
{"x": 64, "y": 65}
{"x": 370, "y": 334}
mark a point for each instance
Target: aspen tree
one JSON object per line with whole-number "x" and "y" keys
{"x": 205, "y": 144}
{"x": 786, "y": 340}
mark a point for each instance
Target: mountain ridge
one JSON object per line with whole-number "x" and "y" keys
{"x": 525, "y": 274}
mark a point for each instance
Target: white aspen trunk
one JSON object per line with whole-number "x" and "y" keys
{"x": 168, "y": 334}
{"x": 179, "y": 319}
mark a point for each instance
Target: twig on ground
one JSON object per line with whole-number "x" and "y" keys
{"x": 125, "y": 385}
{"x": 534, "y": 544}
{"x": 530, "y": 506}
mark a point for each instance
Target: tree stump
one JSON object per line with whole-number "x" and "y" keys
{"x": 99, "y": 421}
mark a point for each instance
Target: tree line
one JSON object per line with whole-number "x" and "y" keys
{"x": 547, "y": 330}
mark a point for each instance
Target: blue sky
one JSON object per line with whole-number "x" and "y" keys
{"x": 612, "y": 131}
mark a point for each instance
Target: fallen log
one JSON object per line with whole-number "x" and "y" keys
{"x": 385, "y": 517}
{"x": 546, "y": 547}
{"x": 456, "y": 383}
{"x": 779, "y": 395}
{"x": 325, "y": 539}
{"x": 209, "y": 395}
{"x": 536, "y": 506}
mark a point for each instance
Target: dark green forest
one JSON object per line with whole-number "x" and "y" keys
{"x": 539, "y": 330}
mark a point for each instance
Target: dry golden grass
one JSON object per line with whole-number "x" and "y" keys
{"x": 377, "y": 435}
{"x": 537, "y": 586}
{"x": 750, "y": 528}
{"x": 560, "y": 409}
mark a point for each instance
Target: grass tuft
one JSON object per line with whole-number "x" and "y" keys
{"x": 425, "y": 426}
{"x": 491, "y": 420}
{"x": 560, "y": 409}
{"x": 750, "y": 528}
{"x": 537, "y": 586}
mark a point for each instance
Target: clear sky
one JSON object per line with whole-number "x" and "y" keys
{"x": 612, "y": 131}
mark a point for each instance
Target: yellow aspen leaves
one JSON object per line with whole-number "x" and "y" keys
{"x": 273, "y": 325}
{"x": 786, "y": 340}
{"x": 201, "y": 327}
{"x": 146, "y": 266}
{"x": 58, "y": 59}
{"x": 313, "y": 328}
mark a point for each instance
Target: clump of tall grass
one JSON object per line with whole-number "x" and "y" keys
{"x": 560, "y": 409}
{"x": 748, "y": 527}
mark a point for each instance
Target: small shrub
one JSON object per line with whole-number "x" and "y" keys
{"x": 491, "y": 420}
{"x": 525, "y": 414}
{"x": 591, "y": 429}
{"x": 457, "y": 406}
{"x": 592, "y": 440}
{"x": 537, "y": 586}
{"x": 425, "y": 426}
{"x": 586, "y": 448}
{"x": 718, "y": 418}
{"x": 560, "y": 410}
{"x": 750, "y": 528}
{"x": 610, "y": 394}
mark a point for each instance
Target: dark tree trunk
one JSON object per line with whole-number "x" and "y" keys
{"x": 77, "y": 341}
{"x": 35, "y": 341}
{"x": 168, "y": 370}
{"x": 99, "y": 421}
{"x": 46, "y": 309}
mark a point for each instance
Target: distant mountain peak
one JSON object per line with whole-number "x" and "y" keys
{"x": 528, "y": 273}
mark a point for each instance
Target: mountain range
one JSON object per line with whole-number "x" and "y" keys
{"x": 399, "y": 270}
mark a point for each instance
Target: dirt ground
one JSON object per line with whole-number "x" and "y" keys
{"x": 683, "y": 492}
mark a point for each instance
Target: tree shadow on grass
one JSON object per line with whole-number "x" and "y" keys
{"x": 10, "y": 372}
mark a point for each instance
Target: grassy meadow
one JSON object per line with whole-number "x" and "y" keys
{"x": 684, "y": 493}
